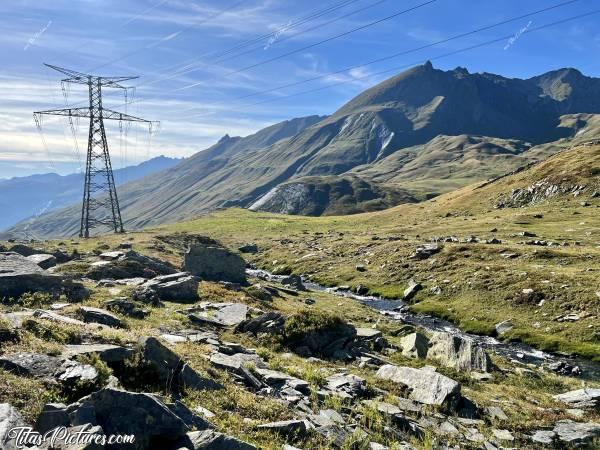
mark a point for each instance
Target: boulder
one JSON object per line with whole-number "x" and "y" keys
{"x": 212, "y": 440}
{"x": 411, "y": 290}
{"x": 426, "y": 386}
{"x": 153, "y": 423}
{"x": 97, "y": 315}
{"x": 294, "y": 281}
{"x": 108, "y": 353}
{"x": 425, "y": 251}
{"x": 129, "y": 265}
{"x": 19, "y": 275}
{"x": 414, "y": 345}
{"x": 271, "y": 322}
{"x": 178, "y": 287}
{"x": 57, "y": 318}
{"x": 43, "y": 260}
{"x": 581, "y": 398}
{"x": 213, "y": 263}
{"x": 458, "y": 352}
{"x": 346, "y": 386}
{"x": 170, "y": 368}
{"x": 23, "y": 250}
{"x": 34, "y": 365}
{"x": 9, "y": 418}
{"x": 53, "y": 415}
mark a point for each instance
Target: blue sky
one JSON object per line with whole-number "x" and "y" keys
{"x": 194, "y": 88}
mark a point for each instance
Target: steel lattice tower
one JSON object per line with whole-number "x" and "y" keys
{"x": 100, "y": 204}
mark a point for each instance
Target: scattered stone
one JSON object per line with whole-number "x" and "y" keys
{"x": 235, "y": 363}
{"x": 426, "y": 386}
{"x": 57, "y": 318}
{"x": 503, "y": 435}
{"x": 43, "y": 260}
{"x": 19, "y": 275}
{"x": 170, "y": 368}
{"x": 411, "y": 290}
{"x": 294, "y": 281}
{"x": 495, "y": 412}
{"x": 581, "y": 398}
{"x": 248, "y": 248}
{"x": 346, "y": 386}
{"x": 286, "y": 427}
{"x": 177, "y": 287}
{"x": 504, "y": 327}
{"x": 576, "y": 433}
{"x": 226, "y": 315}
{"x": 360, "y": 268}
{"x": 564, "y": 368}
{"x": 130, "y": 265}
{"x": 425, "y": 251}
{"x": 111, "y": 256}
{"x": 108, "y": 353}
{"x": 212, "y": 440}
{"x": 53, "y": 415}
{"x": 213, "y": 263}
{"x": 9, "y": 419}
{"x": 271, "y": 322}
{"x": 97, "y": 315}
{"x": 458, "y": 352}
{"x": 126, "y": 307}
{"x": 34, "y": 365}
{"x": 415, "y": 345}
{"x": 545, "y": 437}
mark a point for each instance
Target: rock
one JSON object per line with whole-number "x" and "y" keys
{"x": 278, "y": 379}
{"x": 294, "y": 281}
{"x": 414, "y": 345}
{"x": 73, "y": 374}
{"x": 57, "y": 318}
{"x": 214, "y": 263}
{"x": 235, "y": 363}
{"x": 31, "y": 364}
{"x": 286, "y": 427}
{"x": 503, "y": 435}
{"x": 9, "y": 419}
{"x": 248, "y": 248}
{"x": 130, "y": 265}
{"x": 271, "y": 322}
{"x": 503, "y": 327}
{"x": 411, "y": 290}
{"x": 576, "y": 433}
{"x": 152, "y": 422}
{"x": 564, "y": 368}
{"x": 211, "y": 440}
{"x": 97, "y": 315}
{"x": 346, "y": 386}
{"x": 426, "y": 386}
{"x": 425, "y": 251}
{"x": 23, "y": 250}
{"x": 177, "y": 287}
{"x": 360, "y": 268}
{"x": 458, "y": 352}
{"x": 126, "y": 307}
{"x": 545, "y": 437}
{"x": 170, "y": 368}
{"x": 225, "y": 316}
{"x": 43, "y": 260}
{"x": 108, "y": 353}
{"x": 581, "y": 398}
{"x": 19, "y": 275}
{"x": 53, "y": 415}
{"x": 495, "y": 412}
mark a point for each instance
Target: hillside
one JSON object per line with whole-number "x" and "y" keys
{"x": 422, "y": 133}
{"x": 25, "y": 197}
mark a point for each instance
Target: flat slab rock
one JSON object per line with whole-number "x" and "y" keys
{"x": 580, "y": 398}
{"x": 568, "y": 432}
{"x": 236, "y": 361}
{"x": 213, "y": 440}
{"x": 101, "y": 316}
{"x": 426, "y": 385}
{"x": 225, "y": 316}
{"x": 19, "y": 275}
{"x": 9, "y": 418}
{"x": 106, "y": 352}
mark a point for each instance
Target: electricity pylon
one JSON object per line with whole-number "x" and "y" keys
{"x": 100, "y": 202}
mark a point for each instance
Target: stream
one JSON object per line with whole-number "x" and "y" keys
{"x": 399, "y": 310}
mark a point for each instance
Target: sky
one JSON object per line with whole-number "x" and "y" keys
{"x": 205, "y": 66}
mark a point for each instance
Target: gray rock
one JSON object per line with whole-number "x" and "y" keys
{"x": 286, "y": 427}
{"x": 53, "y": 415}
{"x": 212, "y": 440}
{"x": 271, "y": 322}
{"x": 346, "y": 386}
{"x": 45, "y": 261}
{"x": 504, "y": 327}
{"x": 458, "y": 352}
{"x": 170, "y": 368}
{"x": 106, "y": 352}
{"x": 426, "y": 386}
{"x": 581, "y": 398}
{"x": 367, "y": 334}
{"x": 411, "y": 290}
{"x": 426, "y": 250}
{"x": 130, "y": 265}
{"x": 19, "y": 275}
{"x": 127, "y": 307}
{"x": 232, "y": 314}
{"x": 34, "y": 365}
{"x": 545, "y": 437}
{"x": 248, "y": 248}
{"x": 503, "y": 435}
{"x": 235, "y": 363}
{"x": 57, "y": 318}
{"x": 576, "y": 433}
{"x": 9, "y": 419}
{"x": 74, "y": 374}
{"x": 496, "y": 412}
{"x": 143, "y": 415}
{"x": 214, "y": 263}
{"x": 414, "y": 345}
{"x": 178, "y": 287}
{"x": 294, "y": 281}
{"x": 97, "y": 315}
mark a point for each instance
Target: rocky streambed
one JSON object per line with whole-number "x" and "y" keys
{"x": 517, "y": 352}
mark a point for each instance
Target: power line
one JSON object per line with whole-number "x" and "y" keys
{"x": 406, "y": 52}
{"x": 301, "y": 49}
{"x": 445, "y": 55}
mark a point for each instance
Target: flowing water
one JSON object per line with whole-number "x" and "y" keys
{"x": 399, "y": 310}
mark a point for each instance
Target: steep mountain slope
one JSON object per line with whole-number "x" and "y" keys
{"x": 485, "y": 124}
{"x": 23, "y": 197}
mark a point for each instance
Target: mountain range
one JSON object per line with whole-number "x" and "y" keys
{"x": 27, "y": 197}
{"x": 412, "y": 137}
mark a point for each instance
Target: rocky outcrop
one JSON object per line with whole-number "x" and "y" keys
{"x": 97, "y": 315}
{"x": 426, "y": 386}
{"x": 43, "y": 260}
{"x": 458, "y": 352}
{"x": 120, "y": 265}
{"x": 581, "y": 398}
{"x": 9, "y": 419}
{"x": 19, "y": 275}
{"x": 414, "y": 345}
{"x": 214, "y": 263}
